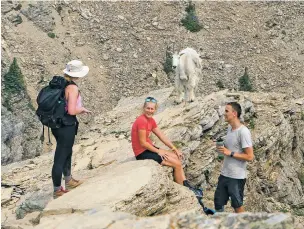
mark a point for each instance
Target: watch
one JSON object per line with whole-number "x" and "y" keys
{"x": 232, "y": 153}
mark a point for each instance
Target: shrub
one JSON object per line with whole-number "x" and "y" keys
{"x": 245, "y": 82}
{"x": 18, "y": 20}
{"x": 191, "y": 21}
{"x": 220, "y": 84}
{"x": 251, "y": 123}
{"x": 51, "y": 35}
{"x": 167, "y": 65}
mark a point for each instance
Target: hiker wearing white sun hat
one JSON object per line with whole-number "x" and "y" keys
{"x": 65, "y": 135}
{"x": 75, "y": 68}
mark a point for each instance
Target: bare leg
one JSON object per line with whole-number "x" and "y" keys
{"x": 239, "y": 210}
{"x": 173, "y": 161}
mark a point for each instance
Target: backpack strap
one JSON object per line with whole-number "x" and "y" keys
{"x": 42, "y": 136}
{"x": 49, "y": 143}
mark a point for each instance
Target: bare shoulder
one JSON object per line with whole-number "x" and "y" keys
{"x": 71, "y": 88}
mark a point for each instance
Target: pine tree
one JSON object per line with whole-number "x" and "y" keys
{"x": 245, "y": 82}
{"x": 14, "y": 85}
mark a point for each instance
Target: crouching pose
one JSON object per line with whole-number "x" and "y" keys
{"x": 144, "y": 149}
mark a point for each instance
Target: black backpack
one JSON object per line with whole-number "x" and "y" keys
{"x": 51, "y": 102}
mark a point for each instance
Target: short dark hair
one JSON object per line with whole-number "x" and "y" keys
{"x": 236, "y": 107}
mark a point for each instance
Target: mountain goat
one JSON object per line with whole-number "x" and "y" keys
{"x": 187, "y": 65}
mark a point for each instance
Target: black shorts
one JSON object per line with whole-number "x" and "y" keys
{"x": 229, "y": 187}
{"x": 147, "y": 154}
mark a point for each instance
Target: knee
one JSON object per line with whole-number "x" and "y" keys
{"x": 177, "y": 164}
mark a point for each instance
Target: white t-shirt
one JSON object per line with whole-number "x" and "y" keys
{"x": 236, "y": 141}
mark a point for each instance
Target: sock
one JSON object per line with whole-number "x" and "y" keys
{"x": 186, "y": 183}
{"x": 57, "y": 188}
{"x": 220, "y": 210}
{"x": 67, "y": 178}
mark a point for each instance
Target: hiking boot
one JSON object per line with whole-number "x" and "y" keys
{"x": 59, "y": 193}
{"x": 73, "y": 184}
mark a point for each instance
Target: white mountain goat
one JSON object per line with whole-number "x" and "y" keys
{"x": 187, "y": 65}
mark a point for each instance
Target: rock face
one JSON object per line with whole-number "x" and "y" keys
{"x": 143, "y": 191}
{"x": 21, "y": 131}
{"x": 125, "y": 46}
{"x": 104, "y": 158}
{"x": 104, "y": 218}
{"x": 113, "y": 38}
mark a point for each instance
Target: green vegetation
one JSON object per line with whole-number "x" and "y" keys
{"x": 245, "y": 82}
{"x": 18, "y": 7}
{"x": 301, "y": 176}
{"x": 13, "y": 84}
{"x": 302, "y": 115}
{"x": 178, "y": 144}
{"x": 220, "y": 84}
{"x": 191, "y": 21}
{"x": 14, "y": 87}
{"x": 252, "y": 123}
{"x": 298, "y": 212}
{"x": 13, "y": 79}
{"x": 18, "y": 20}
{"x": 167, "y": 66}
{"x": 51, "y": 35}
{"x": 59, "y": 9}
{"x": 284, "y": 210}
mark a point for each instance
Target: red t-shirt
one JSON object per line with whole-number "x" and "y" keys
{"x": 141, "y": 123}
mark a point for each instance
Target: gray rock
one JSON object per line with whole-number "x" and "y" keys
{"x": 36, "y": 201}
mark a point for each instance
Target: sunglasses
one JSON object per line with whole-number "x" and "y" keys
{"x": 151, "y": 99}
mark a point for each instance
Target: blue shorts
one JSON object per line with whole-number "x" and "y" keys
{"x": 229, "y": 187}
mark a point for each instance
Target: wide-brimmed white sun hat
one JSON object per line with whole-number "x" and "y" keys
{"x": 76, "y": 68}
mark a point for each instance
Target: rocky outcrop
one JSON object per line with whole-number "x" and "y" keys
{"x": 104, "y": 218}
{"x": 113, "y": 39}
{"x": 103, "y": 156}
{"x": 143, "y": 192}
{"x": 21, "y": 130}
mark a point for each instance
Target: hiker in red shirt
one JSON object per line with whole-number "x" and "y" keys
{"x": 144, "y": 149}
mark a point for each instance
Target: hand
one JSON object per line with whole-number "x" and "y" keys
{"x": 224, "y": 150}
{"x": 179, "y": 154}
{"x": 85, "y": 111}
{"x": 164, "y": 154}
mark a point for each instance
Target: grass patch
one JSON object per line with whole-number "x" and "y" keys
{"x": 51, "y": 35}
{"x": 284, "y": 210}
{"x": 190, "y": 21}
{"x": 245, "y": 83}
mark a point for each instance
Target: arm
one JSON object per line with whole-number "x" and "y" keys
{"x": 143, "y": 142}
{"x": 163, "y": 138}
{"x": 71, "y": 93}
{"x": 167, "y": 142}
{"x": 247, "y": 155}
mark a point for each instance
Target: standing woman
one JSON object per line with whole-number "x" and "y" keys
{"x": 65, "y": 135}
{"x": 144, "y": 149}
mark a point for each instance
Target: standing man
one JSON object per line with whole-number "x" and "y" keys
{"x": 237, "y": 150}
